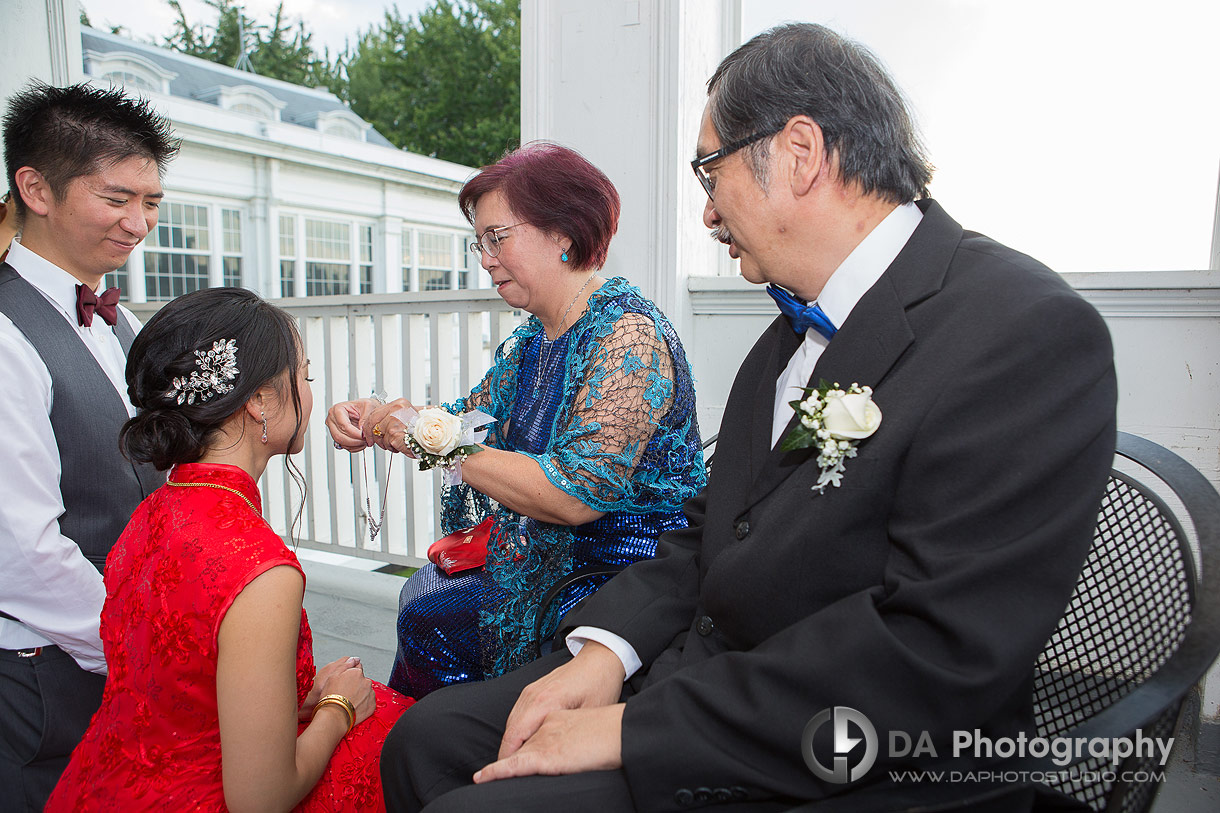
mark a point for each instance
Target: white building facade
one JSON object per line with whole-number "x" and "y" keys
{"x": 282, "y": 189}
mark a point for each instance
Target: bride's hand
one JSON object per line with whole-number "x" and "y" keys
{"x": 344, "y": 421}
{"x": 358, "y": 689}
{"x": 305, "y": 713}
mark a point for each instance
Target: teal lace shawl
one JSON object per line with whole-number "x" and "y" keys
{"x": 625, "y": 438}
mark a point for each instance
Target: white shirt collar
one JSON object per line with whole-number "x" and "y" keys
{"x": 867, "y": 262}
{"x": 55, "y": 283}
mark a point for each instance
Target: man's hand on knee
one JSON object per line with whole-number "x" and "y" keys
{"x": 592, "y": 679}
{"x": 568, "y": 741}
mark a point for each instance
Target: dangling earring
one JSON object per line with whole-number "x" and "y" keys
{"x": 264, "y": 414}
{"x": 563, "y": 258}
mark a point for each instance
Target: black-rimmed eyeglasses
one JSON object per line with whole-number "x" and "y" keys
{"x": 490, "y": 240}
{"x": 699, "y": 163}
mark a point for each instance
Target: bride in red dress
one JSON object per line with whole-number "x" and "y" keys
{"x": 212, "y": 701}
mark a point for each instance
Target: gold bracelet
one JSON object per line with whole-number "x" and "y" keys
{"x": 343, "y": 703}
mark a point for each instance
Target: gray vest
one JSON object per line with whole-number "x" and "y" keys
{"x": 100, "y": 488}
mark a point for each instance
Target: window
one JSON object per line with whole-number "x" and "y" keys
{"x": 247, "y": 99}
{"x": 176, "y": 259}
{"x": 366, "y": 259}
{"x": 435, "y": 260}
{"x": 1079, "y": 90}
{"x": 288, "y": 253}
{"x": 128, "y": 70}
{"x": 127, "y": 79}
{"x": 231, "y": 245}
{"x": 328, "y": 257}
{"x": 342, "y": 123}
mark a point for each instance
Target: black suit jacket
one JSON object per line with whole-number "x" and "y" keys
{"x": 921, "y": 590}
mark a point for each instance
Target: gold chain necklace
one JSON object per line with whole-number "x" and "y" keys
{"x": 244, "y": 498}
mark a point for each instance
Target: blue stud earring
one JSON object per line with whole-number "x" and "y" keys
{"x": 563, "y": 258}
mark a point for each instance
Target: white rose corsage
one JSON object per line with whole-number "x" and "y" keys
{"x": 833, "y": 421}
{"x": 443, "y": 440}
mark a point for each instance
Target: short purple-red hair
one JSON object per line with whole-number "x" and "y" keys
{"x": 555, "y": 189}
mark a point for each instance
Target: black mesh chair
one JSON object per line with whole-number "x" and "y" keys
{"x": 542, "y": 630}
{"x": 1141, "y": 630}
{"x": 1142, "y": 627}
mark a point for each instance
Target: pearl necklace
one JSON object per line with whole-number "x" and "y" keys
{"x": 545, "y": 350}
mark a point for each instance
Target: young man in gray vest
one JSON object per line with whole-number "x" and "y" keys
{"x": 84, "y": 166}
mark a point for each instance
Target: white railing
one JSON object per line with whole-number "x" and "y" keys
{"x": 430, "y": 346}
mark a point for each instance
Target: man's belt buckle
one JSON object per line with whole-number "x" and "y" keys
{"x": 29, "y": 653}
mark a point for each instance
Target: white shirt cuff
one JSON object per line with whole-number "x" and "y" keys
{"x": 624, "y": 651}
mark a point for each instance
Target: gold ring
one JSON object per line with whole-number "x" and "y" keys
{"x": 377, "y": 432}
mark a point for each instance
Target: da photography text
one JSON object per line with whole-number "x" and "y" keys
{"x": 856, "y": 746}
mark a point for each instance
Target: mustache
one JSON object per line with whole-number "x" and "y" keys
{"x": 722, "y": 234}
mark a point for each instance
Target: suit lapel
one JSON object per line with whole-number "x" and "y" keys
{"x": 785, "y": 344}
{"x": 869, "y": 343}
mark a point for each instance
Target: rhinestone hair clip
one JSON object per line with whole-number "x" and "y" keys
{"x": 217, "y": 369}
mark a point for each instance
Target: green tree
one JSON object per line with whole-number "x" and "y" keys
{"x": 280, "y": 50}
{"x": 446, "y": 83}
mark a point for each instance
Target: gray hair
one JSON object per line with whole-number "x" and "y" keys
{"x": 803, "y": 68}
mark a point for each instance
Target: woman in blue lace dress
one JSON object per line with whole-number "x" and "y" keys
{"x": 596, "y": 444}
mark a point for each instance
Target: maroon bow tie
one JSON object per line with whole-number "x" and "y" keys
{"x": 89, "y": 303}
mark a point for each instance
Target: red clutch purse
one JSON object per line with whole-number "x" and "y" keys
{"x": 462, "y": 550}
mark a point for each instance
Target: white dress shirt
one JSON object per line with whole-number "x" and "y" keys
{"x": 44, "y": 578}
{"x": 849, "y": 282}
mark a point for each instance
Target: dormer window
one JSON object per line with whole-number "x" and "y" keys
{"x": 128, "y": 70}
{"x": 342, "y": 123}
{"x": 247, "y": 99}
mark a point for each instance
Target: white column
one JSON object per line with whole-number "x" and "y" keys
{"x": 215, "y": 232}
{"x": 137, "y": 289}
{"x": 414, "y": 238}
{"x": 624, "y": 84}
{"x": 298, "y": 266}
{"x": 391, "y": 250}
{"x": 260, "y": 242}
{"x": 41, "y": 41}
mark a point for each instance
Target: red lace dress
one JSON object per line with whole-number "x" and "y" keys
{"x": 155, "y": 743}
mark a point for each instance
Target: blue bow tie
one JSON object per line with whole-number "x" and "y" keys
{"x": 802, "y": 316}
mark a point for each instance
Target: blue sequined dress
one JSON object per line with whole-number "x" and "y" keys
{"x": 608, "y": 411}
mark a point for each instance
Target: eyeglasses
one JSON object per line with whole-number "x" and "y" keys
{"x": 490, "y": 240}
{"x": 699, "y": 163}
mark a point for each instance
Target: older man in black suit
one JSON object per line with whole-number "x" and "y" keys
{"x": 914, "y": 583}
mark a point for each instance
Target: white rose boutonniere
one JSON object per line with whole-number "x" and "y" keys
{"x": 833, "y": 421}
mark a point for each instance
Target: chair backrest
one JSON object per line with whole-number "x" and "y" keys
{"x": 1142, "y": 626}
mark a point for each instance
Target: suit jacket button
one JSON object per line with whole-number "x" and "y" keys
{"x": 742, "y": 529}
{"x": 739, "y": 793}
{"x": 722, "y": 794}
{"x": 703, "y": 795}
{"x": 684, "y": 798}
{"x": 704, "y": 626}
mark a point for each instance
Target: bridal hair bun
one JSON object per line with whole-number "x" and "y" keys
{"x": 196, "y": 363}
{"x": 163, "y": 437}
